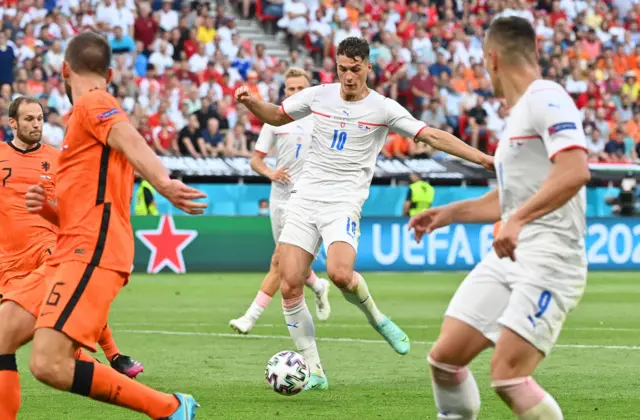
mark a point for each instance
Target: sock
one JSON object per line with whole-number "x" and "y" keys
{"x": 258, "y": 306}
{"x": 302, "y": 331}
{"x": 357, "y": 293}
{"x": 527, "y": 399}
{"x": 101, "y": 383}
{"x": 108, "y": 344}
{"x": 313, "y": 283}
{"x": 9, "y": 387}
{"x": 455, "y": 391}
{"x": 81, "y": 354}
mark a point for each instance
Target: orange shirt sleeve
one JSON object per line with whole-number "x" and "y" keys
{"x": 100, "y": 112}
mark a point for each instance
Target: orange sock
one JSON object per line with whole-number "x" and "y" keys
{"x": 108, "y": 344}
{"x": 102, "y": 383}
{"x": 9, "y": 387}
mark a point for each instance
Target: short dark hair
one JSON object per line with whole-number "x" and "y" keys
{"x": 89, "y": 52}
{"x": 515, "y": 37}
{"x": 354, "y": 47}
{"x": 14, "y": 108}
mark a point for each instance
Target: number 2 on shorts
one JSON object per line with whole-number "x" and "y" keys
{"x": 339, "y": 139}
{"x": 543, "y": 304}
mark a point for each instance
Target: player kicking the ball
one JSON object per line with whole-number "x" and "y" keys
{"x": 94, "y": 249}
{"x": 519, "y": 295}
{"x": 291, "y": 142}
{"x": 350, "y": 126}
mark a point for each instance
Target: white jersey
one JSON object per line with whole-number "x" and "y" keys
{"x": 292, "y": 143}
{"x": 543, "y": 122}
{"x": 347, "y": 138}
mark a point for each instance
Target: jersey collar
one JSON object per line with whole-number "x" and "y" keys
{"x": 24, "y": 152}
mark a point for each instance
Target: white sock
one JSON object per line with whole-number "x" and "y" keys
{"x": 302, "y": 330}
{"x": 258, "y": 306}
{"x": 548, "y": 409}
{"x": 315, "y": 285}
{"x": 455, "y": 391}
{"x": 357, "y": 293}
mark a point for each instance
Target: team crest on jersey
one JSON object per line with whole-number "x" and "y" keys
{"x": 343, "y": 124}
{"x": 46, "y": 166}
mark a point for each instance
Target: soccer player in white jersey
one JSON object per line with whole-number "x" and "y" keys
{"x": 518, "y": 297}
{"x": 350, "y": 126}
{"x": 291, "y": 142}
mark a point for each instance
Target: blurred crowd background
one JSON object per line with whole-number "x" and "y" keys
{"x": 177, "y": 64}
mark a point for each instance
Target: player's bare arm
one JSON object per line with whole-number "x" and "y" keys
{"x": 570, "y": 172}
{"x": 124, "y": 138}
{"x": 449, "y": 143}
{"x": 485, "y": 209}
{"x": 37, "y": 203}
{"x": 257, "y": 164}
{"x": 266, "y": 112}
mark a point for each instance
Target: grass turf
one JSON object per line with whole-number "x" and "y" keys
{"x": 177, "y": 326}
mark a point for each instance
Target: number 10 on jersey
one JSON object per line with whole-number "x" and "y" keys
{"x": 339, "y": 139}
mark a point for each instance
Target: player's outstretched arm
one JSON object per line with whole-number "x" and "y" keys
{"x": 449, "y": 143}
{"x": 266, "y": 112}
{"x": 257, "y": 164}
{"x": 37, "y": 203}
{"x": 485, "y": 209}
{"x": 124, "y": 138}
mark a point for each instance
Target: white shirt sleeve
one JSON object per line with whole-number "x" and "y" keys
{"x": 557, "y": 120}
{"x": 298, "y": 105}
{"x": 400, "y": 121}
{"x": 266, "y": 139}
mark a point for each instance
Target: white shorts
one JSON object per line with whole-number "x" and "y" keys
{"x": 276, "y": 214}
{"x": 531, "y": 296}
{"x": 309, "y": 223}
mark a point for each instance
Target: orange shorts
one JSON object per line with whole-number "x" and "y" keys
{"x": 77, "y": 300}
{"x": 12, "y": 273}
{"x": 28, "y": 291}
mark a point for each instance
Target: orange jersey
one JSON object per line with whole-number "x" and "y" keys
{"x": 94, "y": 185}
{"x": 19, "y": 170}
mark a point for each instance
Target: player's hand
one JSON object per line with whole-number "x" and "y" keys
{"x": 281, "y": 176}
{"x": 35, "y": 198}
{"x": 243, "y": 95}
{"x": 488, "y": 163}
{"x": 182, "y": 197}
{"x": 507, "y": 240}
{"x": 427, "y": 221}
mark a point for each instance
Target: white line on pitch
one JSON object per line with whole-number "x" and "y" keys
{"x": 329, "y": 325}
{"x": 344, "y": 339}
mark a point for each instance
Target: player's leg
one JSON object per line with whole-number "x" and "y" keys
{"x": 16, "y": 329}
{"x": 268, "y": 288}
{"x": 340, "y": 231}
{"x": 74, "y": 314}
{"x": 531, "y": 325}
{"x": 120, "y": 362}
{"x": 294, "y": 263}
{"x": 320, "y": 288}
{"x": 470, "y": 326}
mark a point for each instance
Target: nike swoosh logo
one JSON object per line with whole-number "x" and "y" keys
{"x": 45, "y": 313}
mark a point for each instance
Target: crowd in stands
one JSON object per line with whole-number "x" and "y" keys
{"x": 178, "y": 63}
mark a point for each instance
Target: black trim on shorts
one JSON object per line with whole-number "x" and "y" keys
{"x": 82, "y": 378}
{"x": 88, "y": 272}
{"x": 102, "y": 175}
{"x": 8, "y": 362}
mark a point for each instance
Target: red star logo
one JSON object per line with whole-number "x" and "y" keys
{"x": 166, "y": 244}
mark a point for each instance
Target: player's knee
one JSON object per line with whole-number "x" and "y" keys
{"x": 341, "y": 275}
{"x": 291, "y": 289}
{"x": 505, "y": 367}
{"x": 43, "y": 367}
{"x": 16, "y": 327}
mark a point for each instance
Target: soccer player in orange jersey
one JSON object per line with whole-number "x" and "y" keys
{"x": 94, "y": 249}
{"x": 28, "y": 239}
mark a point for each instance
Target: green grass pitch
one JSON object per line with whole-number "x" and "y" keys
{"x": 177, "y": 326}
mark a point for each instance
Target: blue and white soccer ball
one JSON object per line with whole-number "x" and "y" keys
{"x": 287, "y": 373}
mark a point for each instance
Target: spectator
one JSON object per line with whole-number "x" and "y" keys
{"x": 212, "y": 141}
{"x": 5, "y": 129}
{"x": 165, "y": 139}
{"x": 452, "y": 102}
{"x": 7, "y": 59}
{"x": 168, "y": 18}
{"x": 294, "y": 19}
{"x": 263, "y": 206}
{"x": 433, "y": 114}
{"x": 596, "y": 145}
{"x": 189, "y": 137}
{"x": 615, "y": 149}
{"x": 53, "y": 129}
{"x": 53, "y": 59}
{"x": 121, "y": 43}
{"x": 145, "y": 27}
{"x": 602, "y": 124}
{"x": 477, "y": 127}
{"x": 440, "y": 66}
{"x": 236, "y": 142}
{"x": 420, "y": 196}
{"x": 422, "y": 86}
{"x": 397, "y": 147}
{"x": 631, "y": 86}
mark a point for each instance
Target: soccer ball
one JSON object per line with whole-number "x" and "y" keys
{"x": 287, "y": 373}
